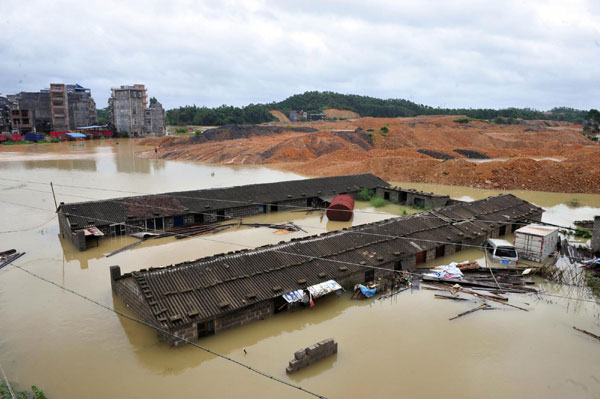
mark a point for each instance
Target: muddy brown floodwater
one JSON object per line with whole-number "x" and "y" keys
{"x": 404, "y": 346}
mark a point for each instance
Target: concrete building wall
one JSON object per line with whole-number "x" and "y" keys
{"x": 77, "y": 238}
{"x": 82, "y": 110}
{"x": 596, "y": 235}
{"x": 129, "y": 113}
{"x": 414, "y": 198}
{"x": 59, "y": 107}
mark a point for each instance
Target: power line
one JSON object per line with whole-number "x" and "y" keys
{"x": 293, "y": 253}
{"x": 158, "y": 329}
{"x": 313, "y": 227}
{"x": 207, "y": 199}
{"x": 566, "y": 297}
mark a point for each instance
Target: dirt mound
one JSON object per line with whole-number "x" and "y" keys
{"x": 158, "y": 141}
{"x": 435, "y": 154}
{"x": 233, "y": 132}
{"x": 532, "y": 156}
{"x": 471, "y": 154}
{"x": 333, "y": 113}
{"x": 280, "y": 116}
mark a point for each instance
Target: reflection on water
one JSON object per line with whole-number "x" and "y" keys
{"x": 393, "y": 347}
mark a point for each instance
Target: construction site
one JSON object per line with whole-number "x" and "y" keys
{"x": 530, "y": 155}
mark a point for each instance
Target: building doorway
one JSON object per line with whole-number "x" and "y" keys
{"x": 440, "y": 251}
{"x": 177, "y": 221}
{"x": 206, "y": 328}
{"x": 369, "y": 275}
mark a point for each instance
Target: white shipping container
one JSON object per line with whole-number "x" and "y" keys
{"x": 535, "y": 242}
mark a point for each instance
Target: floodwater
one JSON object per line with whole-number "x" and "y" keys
{"x": 403, "y": 346}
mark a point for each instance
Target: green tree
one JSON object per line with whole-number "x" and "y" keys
{"x": 591, "y": 123}
{"x": 153, "y": 100}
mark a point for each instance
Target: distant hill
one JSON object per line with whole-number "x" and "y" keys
{"x": 315, "y": 101}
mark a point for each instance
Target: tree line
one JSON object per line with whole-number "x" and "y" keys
{"x": 316, "y": 102}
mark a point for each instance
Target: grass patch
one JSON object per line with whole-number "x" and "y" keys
{"x": 181, "y": 130}
{"x": 197, "y": 132}
{"x": 593, "y": 283}
{"x": 467, "y": 120}
{"x": 582, "y": 233}
{"x": 366, "y": 195}
{"x": 35, "y": 393}
{"x": 17, "y": 142}
{"x": 378, "y": 202}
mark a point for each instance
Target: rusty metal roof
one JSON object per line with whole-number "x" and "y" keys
{"x": 120, "y": 210}
{"x": 196, "y": 290}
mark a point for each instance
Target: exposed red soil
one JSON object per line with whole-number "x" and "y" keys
{"x": 280, "y": 116}
{"x": 333, "y": 113}
{"x": 393, "y": 155}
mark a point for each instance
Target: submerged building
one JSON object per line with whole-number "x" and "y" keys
{"x": 205, "y": 296}
{"x": 83, "y": 222}
{"x": 129, "y": 112}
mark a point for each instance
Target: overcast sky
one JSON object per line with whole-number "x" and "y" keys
{"x": 537, "y": 54}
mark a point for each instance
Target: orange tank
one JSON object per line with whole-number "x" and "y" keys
{"x": 341, "y": 208}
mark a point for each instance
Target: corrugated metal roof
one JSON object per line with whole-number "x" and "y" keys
{"x": 209, "y": 200}
{"x": 196, "y": 290}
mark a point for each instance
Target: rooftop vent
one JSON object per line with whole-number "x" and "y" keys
{"x": 301, "y": 281}
{"x": 343, "y": 268}
{"x": 224, "y": 304}
{"x": 192, "y": 313}
{"x": 322, "y": 275}
{"x": 277, "y": 288}
{"x": 251, "y": 295}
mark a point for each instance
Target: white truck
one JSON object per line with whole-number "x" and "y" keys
{"x": 536, "y": 242}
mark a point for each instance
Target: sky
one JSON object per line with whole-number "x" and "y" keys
{"x": 455, "y": 54}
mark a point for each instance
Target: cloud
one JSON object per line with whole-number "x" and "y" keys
{"x": 456, "y": 54}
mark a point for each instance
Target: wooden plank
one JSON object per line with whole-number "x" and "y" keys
{"x": 482, "y": 306}
{"x": 587, "y": 333}
{"x": 454, "y": 298}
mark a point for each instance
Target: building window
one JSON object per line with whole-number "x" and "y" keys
{"x": 369, "y": 275}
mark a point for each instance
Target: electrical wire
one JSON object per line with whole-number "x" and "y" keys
{"x": 165, "y": 332}
{"x": 246, "y": 203}
{"x": 300, "y": 225}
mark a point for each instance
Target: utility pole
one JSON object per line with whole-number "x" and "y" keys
{"x": 54, "y": 196}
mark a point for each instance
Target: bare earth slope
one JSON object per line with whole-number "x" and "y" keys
{"x": 534, "y": 155}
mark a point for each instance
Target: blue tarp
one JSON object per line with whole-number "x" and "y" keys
{"x": 76, "y": 135}
{"x": 366, "y": 291}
